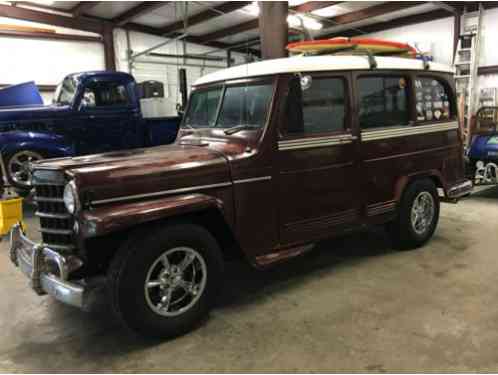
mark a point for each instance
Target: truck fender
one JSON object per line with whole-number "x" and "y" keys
{"x": 49, "y": 145}
{"x": 105, "y": 220}
{"x": 403, "y": 182}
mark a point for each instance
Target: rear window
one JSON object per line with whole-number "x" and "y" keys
{"x": 432, "y": 98}
{"x": 383, "y": 101}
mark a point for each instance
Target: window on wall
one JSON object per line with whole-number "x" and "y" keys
{"x": 316, "y": 105}
{"x": 432, "y": 100}
{"x": 383, "y": 102}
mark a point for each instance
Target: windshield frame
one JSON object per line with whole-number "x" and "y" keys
{"x": 270, "y": 80}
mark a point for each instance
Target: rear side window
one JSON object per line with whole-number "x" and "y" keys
{"x": 105, "y": 94}
{"x": 383, "y": 101}
{"x": 317, "y": 107}
{"x": 433, "y": 102}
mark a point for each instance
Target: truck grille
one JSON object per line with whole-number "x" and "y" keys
{"x": 55, "y": 222}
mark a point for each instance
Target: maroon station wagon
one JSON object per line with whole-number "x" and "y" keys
{"x": 272, "y": 157}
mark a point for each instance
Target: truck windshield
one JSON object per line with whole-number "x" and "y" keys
{"x": 241, "y": 105}
{"x": 65, "y": 92}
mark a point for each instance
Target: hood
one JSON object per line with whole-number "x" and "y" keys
{"x": 31, "y": 112}
{"x": 143, "y": 171}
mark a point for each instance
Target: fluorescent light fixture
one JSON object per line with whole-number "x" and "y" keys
{"x": 294, "y": 20}
{"x": 43, "y": 2}
{"x": 299, "y": 20}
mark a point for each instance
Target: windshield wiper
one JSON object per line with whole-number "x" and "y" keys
{"x": 238, "y": 128}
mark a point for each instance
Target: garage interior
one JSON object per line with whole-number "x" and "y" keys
{"x": 354, "y": 303}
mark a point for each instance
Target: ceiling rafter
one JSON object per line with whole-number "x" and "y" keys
{"x": 82, "y": 7}
{"x": 206, "y": 15}
{"x": 26, "y": 14}
{"x": 137, "y": 11}
{"x": 391, "y": 24}
{"x": 311, "y": 6}
{"x": 376, "y": 10}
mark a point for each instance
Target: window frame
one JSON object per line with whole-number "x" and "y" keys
{"x": 449, "y": 91}
{"x": 348, "y": 127}
{"x": 410, "y": 91}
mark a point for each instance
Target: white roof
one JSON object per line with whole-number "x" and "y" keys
{"x": 315, "y": 64}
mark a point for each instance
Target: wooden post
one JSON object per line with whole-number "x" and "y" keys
{"x": 273, "y": 28}
{"x": 110, "y": 57}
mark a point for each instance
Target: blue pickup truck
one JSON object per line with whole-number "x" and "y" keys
{"x": 92, "y": 112}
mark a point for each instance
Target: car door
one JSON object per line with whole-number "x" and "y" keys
{"x": 317, "y": 166}
{"x": 108, "y": 120}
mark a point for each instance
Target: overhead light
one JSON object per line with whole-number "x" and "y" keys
{"x": 294, "y": 20}
{"x": 298, "y": 21}
{"x": 43, "y": 2}
{"x": 252, "y": 9}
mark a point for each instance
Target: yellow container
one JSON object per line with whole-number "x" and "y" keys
{"x": 10, "y": 214}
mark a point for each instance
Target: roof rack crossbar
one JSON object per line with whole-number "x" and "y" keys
{"x": 371, "y": 56}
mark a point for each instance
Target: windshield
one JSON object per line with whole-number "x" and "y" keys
{"x": 65, "y": 92}
{"x": 245, "y": 105}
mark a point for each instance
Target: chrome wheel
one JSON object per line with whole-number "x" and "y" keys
{"x": 422, "y": 213}
{"x": 175, "y": 281}
{"x": 18, "y": 167}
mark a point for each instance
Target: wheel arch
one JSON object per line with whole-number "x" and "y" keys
{"x": 108, "y": 227}
{"x": 403, "y": 182}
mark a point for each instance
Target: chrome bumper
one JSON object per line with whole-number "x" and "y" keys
{"x": 36, "y": 262}
{"x": 460, "y": 190}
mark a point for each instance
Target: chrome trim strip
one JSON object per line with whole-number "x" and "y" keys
{"x": 53, "y": 216}
{"x": 296, "y": 144}
{"x": 373, "y": 135}
{"x": 57, "y": 231}
{"x": 58, "y": 247}
{"x": 47, "y": 199}
{"x": 160, "y": 193}
{"x": 265, "y": 178}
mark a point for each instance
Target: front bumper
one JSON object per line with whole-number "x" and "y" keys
{"x": 460, "y": 190}
{"x": 48, "y": 270}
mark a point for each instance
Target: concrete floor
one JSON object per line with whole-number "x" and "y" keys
{"x": 353, "y": 304}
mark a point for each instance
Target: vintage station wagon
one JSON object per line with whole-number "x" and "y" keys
{"x": 272, "y": 157}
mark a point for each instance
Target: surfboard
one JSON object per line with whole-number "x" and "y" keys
{"x": 334, "y": 45}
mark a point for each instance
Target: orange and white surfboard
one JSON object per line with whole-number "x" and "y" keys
{"x": 375, "y": 46}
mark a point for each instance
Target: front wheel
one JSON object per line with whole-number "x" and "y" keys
{"x": 17, "y": 166}
{"x": 164, "y": 282}
{"x": 418, "y": 215}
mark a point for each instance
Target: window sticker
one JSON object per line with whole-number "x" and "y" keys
{"x": 432, "y": 100}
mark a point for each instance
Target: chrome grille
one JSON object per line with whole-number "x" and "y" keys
{"x": 56, "y": 224}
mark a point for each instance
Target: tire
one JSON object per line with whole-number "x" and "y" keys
{"x": 407, "y": 233}
{"x": 138, "y": 263}
{"x": 16, "y": 162}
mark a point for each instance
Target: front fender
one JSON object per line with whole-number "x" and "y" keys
{"x": 49, "y": 145}
{"x": 101, "y": 221}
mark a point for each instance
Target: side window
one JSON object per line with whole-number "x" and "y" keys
{"x": 317, "y": 107}
{"x": 383, "y": 101}
{"x": 105, "y": 94}
{"x": 433, "y": 102}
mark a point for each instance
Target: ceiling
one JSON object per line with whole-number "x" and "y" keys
{"x": 230, "y": 24}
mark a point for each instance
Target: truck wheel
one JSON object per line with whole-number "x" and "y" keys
{"x": 17, "y": 168}
{"x": 164, "y": 281}
{"x": 418, "y": 215}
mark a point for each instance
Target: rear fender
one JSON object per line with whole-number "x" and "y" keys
{"x": 404, "y": 181}
{"x": 105, "y": 220}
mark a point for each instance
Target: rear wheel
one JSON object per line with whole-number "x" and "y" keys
{"x": 163, "y": 284}
{"x": 418, "y": 215}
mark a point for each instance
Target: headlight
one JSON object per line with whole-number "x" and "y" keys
{"x": 71, "y": 198}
